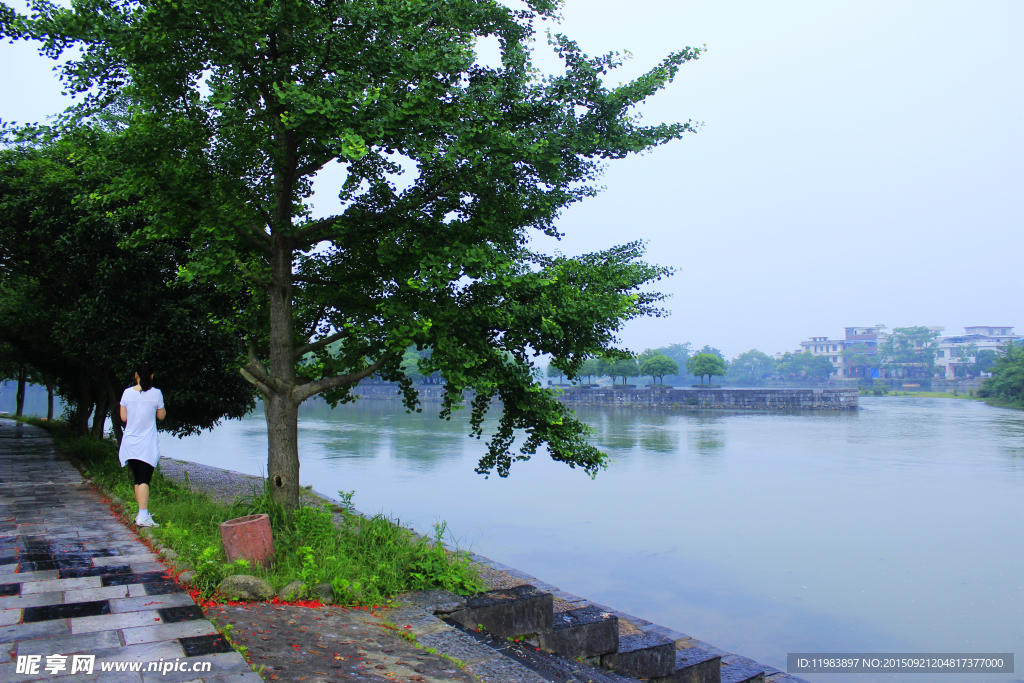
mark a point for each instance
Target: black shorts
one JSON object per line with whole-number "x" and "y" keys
{"x": 142, "y": 471}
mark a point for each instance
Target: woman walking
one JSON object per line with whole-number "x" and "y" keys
{"x": 141, "y": 406}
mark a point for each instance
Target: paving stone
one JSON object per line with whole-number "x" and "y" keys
{"x": 61, "y": 585}
{"x": 124, "y": 559}
{"x": 151, "y": 602}
{"x": 144, "y": 567}
{"x": 109, "y": 622}
{"x": 41, "y": 629}
{"x": 103, "y": 593}
{"x": 28, "y": 577}
{"x": 32, "y": 600}
{"x": 173, "y": 615}
{"x": 140, "y": 578}
{"x": 65, "y": 645}
{"x": 10, "y": 616}
{"x": 66, "y": 611}
{"x": 80, "y": 572}
{"x": 182, "y": 629}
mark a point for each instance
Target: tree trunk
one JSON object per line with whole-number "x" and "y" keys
{"x": 19, "y": 396}
{"x": 115, "y": 411}
{"x": 49, "y": 401}
{"x": 283, "y": 442}
{"x": 84, "y": 402}
{"x": 281, "y": 411}
{"x": 99, "y": 417}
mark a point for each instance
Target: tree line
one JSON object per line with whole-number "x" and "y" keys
{"x": 682, "y": 363}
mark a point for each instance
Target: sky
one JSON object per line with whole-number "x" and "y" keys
{"x": 859, "y": 163}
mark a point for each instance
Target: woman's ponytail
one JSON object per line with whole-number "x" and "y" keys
{"x": 145, "y": 372}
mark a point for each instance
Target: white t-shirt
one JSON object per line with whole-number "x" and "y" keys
{"x": 139, "y": 440}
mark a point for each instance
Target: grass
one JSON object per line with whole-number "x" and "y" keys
{"x": 365, "y": 560}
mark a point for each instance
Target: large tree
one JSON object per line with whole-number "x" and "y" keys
{"x": 237, "y": 105}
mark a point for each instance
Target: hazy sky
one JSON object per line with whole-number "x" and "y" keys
{"x": 860, "y": 163}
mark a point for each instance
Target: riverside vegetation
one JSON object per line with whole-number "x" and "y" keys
{"x": 365, "y": 560}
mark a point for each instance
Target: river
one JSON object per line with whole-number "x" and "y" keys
{"x": 894, "y": 528}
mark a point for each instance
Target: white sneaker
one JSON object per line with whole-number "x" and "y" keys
{"x": 145, "y": 520}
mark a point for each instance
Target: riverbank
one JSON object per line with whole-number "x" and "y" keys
{"x": 671, "y": 398}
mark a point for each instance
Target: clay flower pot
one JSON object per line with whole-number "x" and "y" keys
{"x": 248, "y": 538}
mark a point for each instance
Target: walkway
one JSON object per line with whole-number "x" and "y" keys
{"x": 75, "y": 581}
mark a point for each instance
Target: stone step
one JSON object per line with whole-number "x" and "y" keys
{"x": 582, "y": 633}
{"x": 509, "y": 612}
{"x": 737, "y": 669}
{"x": 694, "y": 665}
{"x": 644, "y": 656}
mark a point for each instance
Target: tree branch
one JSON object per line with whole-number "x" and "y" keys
{"x": 256, "y": 238}
{"x": 309, "y": 234}
{"x": 319, "y": 344}
{"x": 301, "y": 393}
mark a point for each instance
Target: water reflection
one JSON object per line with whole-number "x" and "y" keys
{"x": 894, "y": 528}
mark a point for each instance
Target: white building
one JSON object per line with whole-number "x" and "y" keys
{"x": 951, "y": 355}
{"x": 830, "y": 348}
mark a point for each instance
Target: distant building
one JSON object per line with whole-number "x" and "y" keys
{"x": 830, "y": 348}
{"x": 949, "y": 357}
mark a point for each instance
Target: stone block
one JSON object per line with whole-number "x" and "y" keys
{"x": 434, "y": 601}
{"x": 694, "y": 665}
{"x": 585, "y": 632}
{"x": 150, "y": 602}
{"x": 110, "y": 622}
{"x": 642, "y": 656}
{"x": 509, "y": 612}
{"x": 741, "y": 670}
{"x": 157, "y": 632}
{"x": 66, "y": 645}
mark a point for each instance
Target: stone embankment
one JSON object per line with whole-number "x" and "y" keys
{"x": 695, "y": 398}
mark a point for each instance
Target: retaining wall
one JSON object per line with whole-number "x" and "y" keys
{"x": 693, "y": 398}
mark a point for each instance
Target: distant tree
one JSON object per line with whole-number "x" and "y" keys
{"x": 590, "y": 368}
{"x": 1007, "y": 381}
{"x": 555, "y": 372}
{"x": 751, "y": 366}
{"x": 818, "y": 367}
{"x": 805, "y": 365}
{"x": 620, "y": 367}
{"x": 676, "y": 352}
{"x": 712, "y": 350}
{"x": 984, "y": 361}
{"x": 706, "y": 364}
{"x": 909, "y": 352}
{"x": 657, "y": 366}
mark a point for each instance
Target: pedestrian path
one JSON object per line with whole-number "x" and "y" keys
{"x": 80, "y": 595}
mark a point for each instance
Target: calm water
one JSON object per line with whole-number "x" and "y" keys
{"x": 896, "y": 528}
